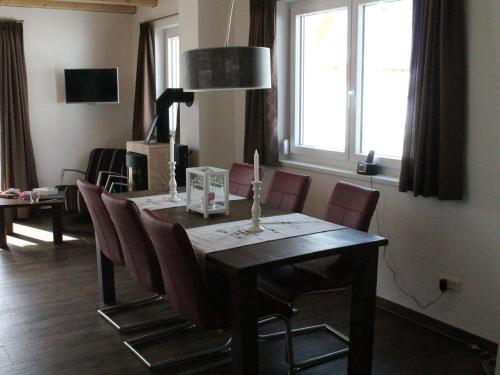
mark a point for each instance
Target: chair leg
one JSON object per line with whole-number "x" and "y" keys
{"x": 224, "y": 348}
{"x": 297, "y": 366}
{"x": 307, "y": 330}
{"x": 107, "y": 311}
{"x": 289, "y": 347}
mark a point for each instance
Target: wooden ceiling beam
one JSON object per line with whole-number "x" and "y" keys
{"x": 70, "y": 5}
{"x": 145, "y": 3}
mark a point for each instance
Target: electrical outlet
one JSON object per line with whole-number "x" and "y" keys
{"x": 453, "y": 284}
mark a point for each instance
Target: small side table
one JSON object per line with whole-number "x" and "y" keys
{"x": 7, "y": 204}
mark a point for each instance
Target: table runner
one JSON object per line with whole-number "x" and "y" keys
{"x": 159, "y": 202}
{"x": 225, "y": 236}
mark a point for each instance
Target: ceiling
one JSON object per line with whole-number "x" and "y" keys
{"x": 109, "y": 6}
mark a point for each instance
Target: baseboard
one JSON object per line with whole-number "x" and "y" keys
{"x": 435, "y": 325}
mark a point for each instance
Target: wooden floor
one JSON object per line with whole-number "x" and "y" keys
{"x": 49, "y": 324}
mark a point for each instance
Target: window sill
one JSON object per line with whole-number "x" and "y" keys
{"x": 379, "y": 179}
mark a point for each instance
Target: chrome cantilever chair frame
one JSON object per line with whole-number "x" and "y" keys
{"x": 110, "y": 184}
{"x": 105, "y": 312}
{"x": 221, "y": 349}
{"x": 317, "y": 360}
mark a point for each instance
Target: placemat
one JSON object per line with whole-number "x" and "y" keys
{"x": 235, "y": 234}
{"x": 160, "y": 202}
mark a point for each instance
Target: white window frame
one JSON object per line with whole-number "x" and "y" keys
{"x": 352, "y": 154}
{"x": 164, "y": 29}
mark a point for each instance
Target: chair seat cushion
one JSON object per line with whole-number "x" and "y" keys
{"x": 289, "y": 282}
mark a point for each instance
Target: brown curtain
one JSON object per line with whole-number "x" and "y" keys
{"x": 145, "y": 82}
{"x": 433, "y": 151}
{"x": 261, "y": 130}
{"x": 17, "y": 159}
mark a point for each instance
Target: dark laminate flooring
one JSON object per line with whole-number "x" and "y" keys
{"x": 49, "y": 324}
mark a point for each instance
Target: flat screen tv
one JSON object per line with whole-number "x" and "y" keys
{"x": 91, "y": 85}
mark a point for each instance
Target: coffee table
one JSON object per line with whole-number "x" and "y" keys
{"x": 8, "y": 204}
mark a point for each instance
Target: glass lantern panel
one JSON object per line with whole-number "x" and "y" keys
{"x": 217, "y": 190}
{"x": 196, "y": 187}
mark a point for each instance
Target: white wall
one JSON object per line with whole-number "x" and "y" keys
{"x": 428, "y": 237}
{"x": 63, "y": 134}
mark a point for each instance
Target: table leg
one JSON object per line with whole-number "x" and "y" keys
{"x": 244, "y": 329}
{"x": 9, "y": 225}
{"x": 364, "y": 290}
{"x": 105, "y": 276}
{"x": 3, "y": 230}
{"x": 57, "y": 226}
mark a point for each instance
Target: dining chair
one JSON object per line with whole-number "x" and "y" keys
{"x": 137, "y": 249}
{"x": 241, "y": 176}
{"x": 201, "y": 297}
{"x": 349, "y": 205}
{"x": 111, "y": 251}
{"x": 288, "y": 191}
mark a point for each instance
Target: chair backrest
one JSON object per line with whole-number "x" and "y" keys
{"x": 105, "y": 159}
{"x": 179, "y": 265}
{"x": 240, "y": 179}
{"x": 138, "y": 252}
{"x": 352, "y": 205}
{"x": 104, "y": 228}
{"x": 288, "y": 191}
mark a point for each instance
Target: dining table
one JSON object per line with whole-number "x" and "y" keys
{"x": 242, "y": 264}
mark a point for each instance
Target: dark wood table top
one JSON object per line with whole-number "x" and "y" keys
{"x": 5, "y": 202}
{"x": 272, "y": 253}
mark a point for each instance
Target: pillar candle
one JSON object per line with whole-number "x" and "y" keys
{"x": 256, "y": 166}
{"x": 172, "y": 148}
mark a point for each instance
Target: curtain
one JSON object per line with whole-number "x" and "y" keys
{"x": 145, "y": 83}
{"x": 261, "y": 130}
{"x": 433, "y": 150}
{"x": 17, "y": 159}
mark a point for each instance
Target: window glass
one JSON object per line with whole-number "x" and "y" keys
{"x": 323, "y": 79}
{"x": 386, "y": 52}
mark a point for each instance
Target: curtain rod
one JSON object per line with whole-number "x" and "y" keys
{"x": 162, "y": 17}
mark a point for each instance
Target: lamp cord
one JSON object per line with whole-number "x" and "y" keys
{"x": 228, "y": 32}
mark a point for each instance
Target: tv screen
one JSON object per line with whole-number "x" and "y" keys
{"x": 91, "y": 85}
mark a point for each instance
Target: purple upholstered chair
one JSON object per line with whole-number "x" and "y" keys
{"x": 136, "y": 246}
{"x": 349, "y": 205}
{"x": 138, "y": 254}
{"x": 105, "y": 233}
{"x": 199, "y": 298}
{"x": 288, "y": 191}
{"x": 111, "y": 253}
{"x": 240, "y": 179}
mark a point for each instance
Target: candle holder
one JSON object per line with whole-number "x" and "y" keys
{"x": 256, "y": 211}
{"x": 173, "y": 184}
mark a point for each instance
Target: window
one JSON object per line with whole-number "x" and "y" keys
{"x": 172, "y": 48}
{"x": 167, "y": 60}
{"x": 350, "y": 75}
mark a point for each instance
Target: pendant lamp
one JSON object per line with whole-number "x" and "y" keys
{"x": 227, "y": 68}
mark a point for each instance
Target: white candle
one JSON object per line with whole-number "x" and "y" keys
{"x": 256, "y": 166}
{"x": 172, "y": 147}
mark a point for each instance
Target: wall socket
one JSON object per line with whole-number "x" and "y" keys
{"x": 453, "y": 284}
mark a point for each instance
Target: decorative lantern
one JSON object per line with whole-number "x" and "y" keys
{"x": 207, "y": 190}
